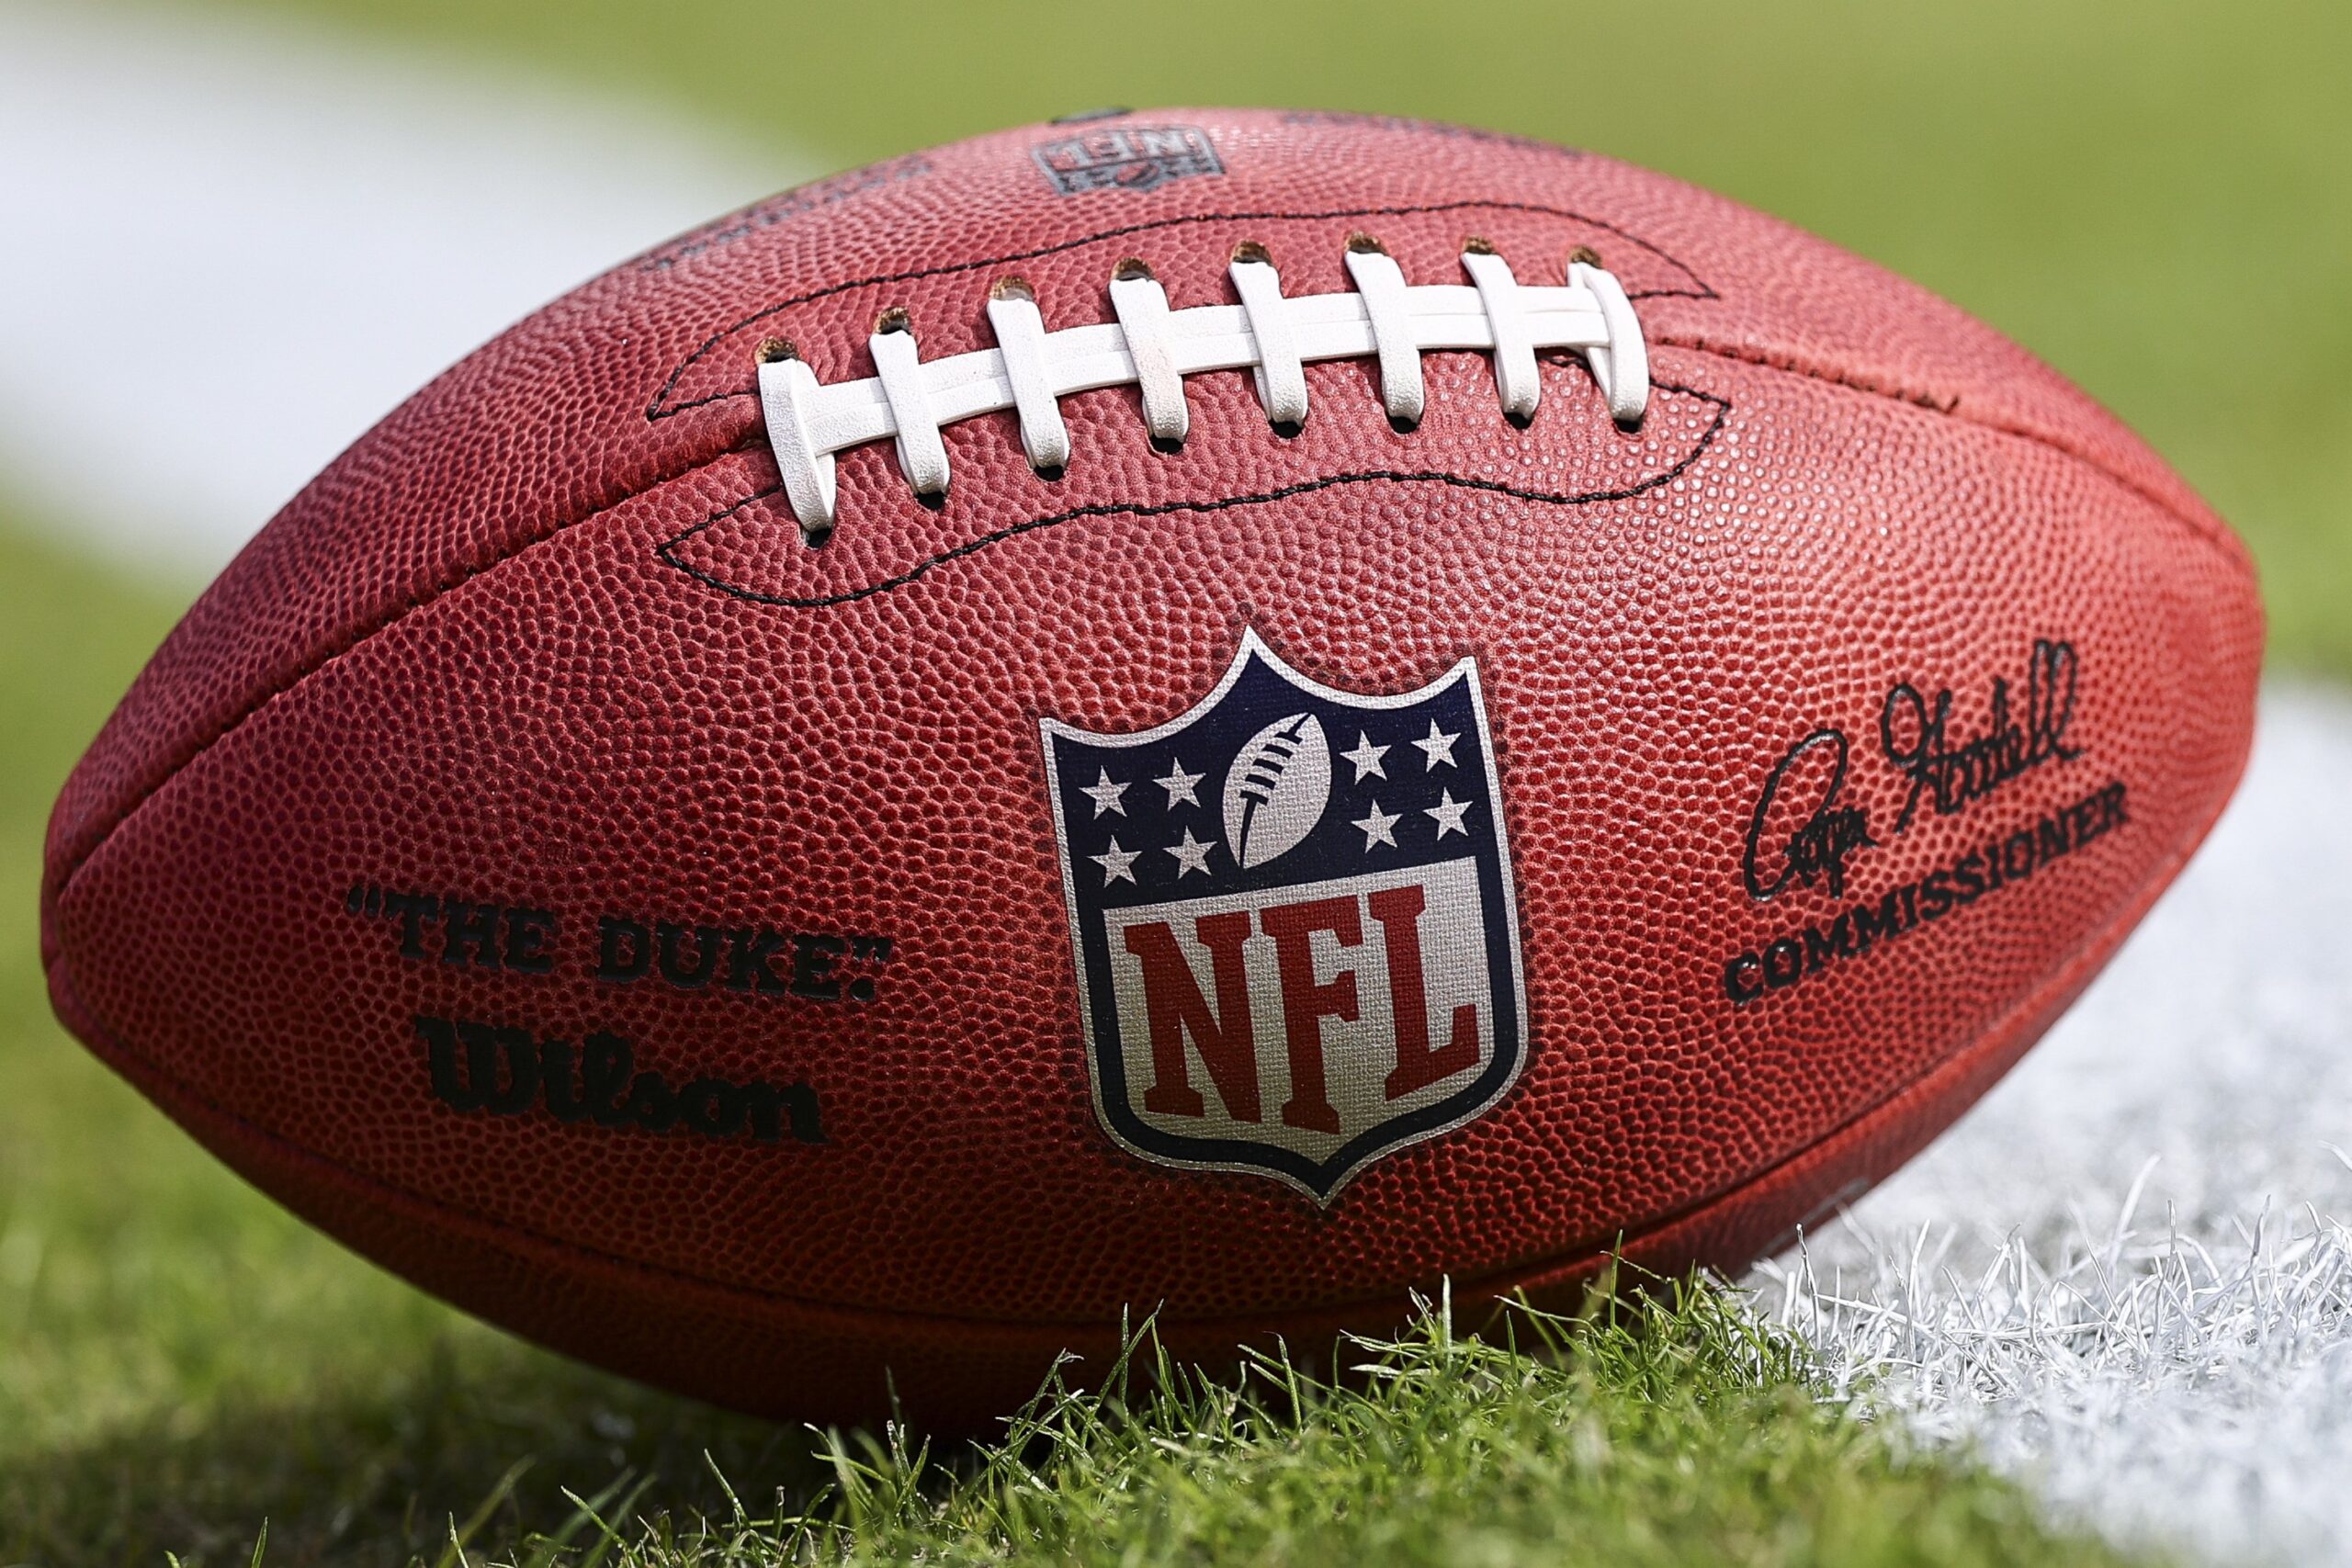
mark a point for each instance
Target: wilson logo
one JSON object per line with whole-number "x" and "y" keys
{"x": 1332, "y": 974}
{"x": 507, "y": 1071}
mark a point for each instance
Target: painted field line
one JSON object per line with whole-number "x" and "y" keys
{"x": 2122, "y": 1276}
{"x": 232, "y": 249}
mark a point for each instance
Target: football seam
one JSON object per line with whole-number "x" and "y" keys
{"x": 661, "y": 407}
{"x": 400, "y": 607}
{"x": 1168, "y": 508}
{"x": 2223, "y": 542}
{"x": 1618, "y": 1240}
{"x": 2210, "y": 527}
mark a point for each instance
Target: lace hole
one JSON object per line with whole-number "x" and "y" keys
{"x": 1402, "y": 425}
{"x": 819, "y": 537}
{"x": 1519, "y": 421}
{"x": 1050, "y": 472}
{"x": 1628, "y": 426}
{"x": 931, "y": 500}
{"x": 1288, "y": 429}
{"x": 1167, "y": 445}
{"x": 1586, "y": 255}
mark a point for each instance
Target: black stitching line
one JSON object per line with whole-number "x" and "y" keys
{"x": 661, "y": 408}
{"x": 1162, "y": 509}
{"x": 415, "y": 599}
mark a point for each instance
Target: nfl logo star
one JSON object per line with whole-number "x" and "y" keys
{"x": 1292, "y": 917}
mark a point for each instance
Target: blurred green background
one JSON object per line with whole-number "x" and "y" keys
{"x": 2154, "y": 196}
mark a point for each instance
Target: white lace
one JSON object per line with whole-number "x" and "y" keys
{"x": 1152, "y": 348}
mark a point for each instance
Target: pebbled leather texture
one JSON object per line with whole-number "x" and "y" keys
{"x": 547, "y": 638}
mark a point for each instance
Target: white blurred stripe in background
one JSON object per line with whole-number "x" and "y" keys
{"x": 226, "y": 250}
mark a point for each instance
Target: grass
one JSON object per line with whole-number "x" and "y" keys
{"x": 1689, "y": 1436}
{"x": 2150, "y": 195}
{"x": 182, "y": 1366}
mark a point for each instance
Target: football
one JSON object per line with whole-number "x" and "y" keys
{"x": 1276, "y": 789}
{"x": 1229, "y": 715}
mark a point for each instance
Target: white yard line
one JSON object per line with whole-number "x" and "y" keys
{"x": 2118, "y": 1277}
{"x": 230, "y": 250}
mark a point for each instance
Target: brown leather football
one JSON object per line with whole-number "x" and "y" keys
{"x": 1227, "y": 713}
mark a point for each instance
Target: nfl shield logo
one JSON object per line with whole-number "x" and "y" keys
{"x": 1127, "y": 157}
{"x": 1291, "y": 912}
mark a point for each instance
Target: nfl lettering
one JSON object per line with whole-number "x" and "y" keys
{"x": 1291, "y": 919}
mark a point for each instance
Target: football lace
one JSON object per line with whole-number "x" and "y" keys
{"x": 1153, "y": 348}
